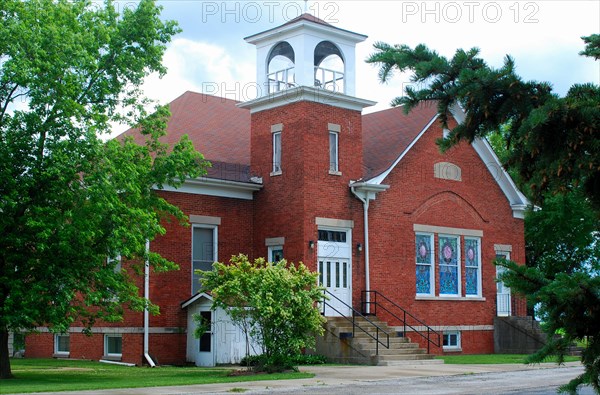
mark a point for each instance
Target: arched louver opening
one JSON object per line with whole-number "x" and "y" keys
{"x": 329, "y": 67}
{"x": 281, "y": 67}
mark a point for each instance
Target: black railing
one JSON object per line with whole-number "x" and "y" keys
{"x": 356, "y": 313}
{"x": 373, "y": 303}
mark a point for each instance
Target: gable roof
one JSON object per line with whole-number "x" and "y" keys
{"x": 218, "y": 129}
{"x": 388, "y": 133}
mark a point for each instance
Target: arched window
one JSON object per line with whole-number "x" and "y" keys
{"x": 281, "y": 67}
{"x": 329, "y": 67}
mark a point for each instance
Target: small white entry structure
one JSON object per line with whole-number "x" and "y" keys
{"x": 223, "y": 344}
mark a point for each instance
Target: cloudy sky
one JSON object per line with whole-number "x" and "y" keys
{"x": 543, "y": 36}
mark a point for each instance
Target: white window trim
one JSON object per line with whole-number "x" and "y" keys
{"x": 459, "y": 264}
{"x": 215, "y": 229}
{"x": 480, "y": 268}
{"x": 270, "y": 250}
{"x": 433, "y": 254}
{"x": 56, "y": 350}
{"x": 112, "y": 355}
{"x": 458, "y": 346}
{"x": 276, "y": 170}
{"x": 118, "y": 264}
{"x": 334, "y": 165}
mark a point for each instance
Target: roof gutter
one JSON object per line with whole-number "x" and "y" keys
{"x": 365, "y": 193}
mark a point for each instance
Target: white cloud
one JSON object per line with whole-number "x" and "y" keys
{"x": 201, "y": 67}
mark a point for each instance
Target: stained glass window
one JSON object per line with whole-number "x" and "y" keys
{"x": 449, "y": 265}
{"x": 424, "y": 259}
{"x": 472, "y": 267}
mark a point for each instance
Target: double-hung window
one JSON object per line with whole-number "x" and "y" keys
{"x": 113, "y": 345}
{"x": 204, "y": 252}
{"x": 333, "y": 152}
{"x": 62, "y": 344}
{"x": 276, "y": 153}
{"x": 425, "y": 267}
{"x": 449, "y": 265}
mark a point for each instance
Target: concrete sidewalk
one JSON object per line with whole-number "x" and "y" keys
{"x": 325, "y": 375}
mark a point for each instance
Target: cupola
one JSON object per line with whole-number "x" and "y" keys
{"x": 309, "y": 52}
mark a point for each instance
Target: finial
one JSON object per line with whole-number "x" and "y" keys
{"x": 305, "y": 6}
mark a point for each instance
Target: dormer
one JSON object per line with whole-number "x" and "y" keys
{"x": 306, "y": 51}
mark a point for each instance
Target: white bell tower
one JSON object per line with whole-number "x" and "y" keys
{"x": 309, "y": 52}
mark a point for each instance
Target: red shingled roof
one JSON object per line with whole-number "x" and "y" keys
{"x": 387, "y": 133}
{"x": 307, "y": 17}
{"x": 221, "y": 131}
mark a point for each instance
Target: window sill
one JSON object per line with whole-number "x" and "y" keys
{"x": 452, "y": 349}
{"x": 60, "y": 355}
{"x": 275, "y": 173}
{"x": 452, "y": 298}
{"x": 335, "y": 173}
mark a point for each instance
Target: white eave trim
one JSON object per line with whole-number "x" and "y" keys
{"x": 308, "y": 25}
{"x": 379, "y": 179}
{"x": 306, "y": 93}
{"x": 367, "y": 191}
{"x": 216, "y": 187}
{"x": 518, "y": 201}
{"x": 195, "y": 298}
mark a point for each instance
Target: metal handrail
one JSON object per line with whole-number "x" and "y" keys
{"x": 352, "y": 320}
{"x": 430, "y": 331}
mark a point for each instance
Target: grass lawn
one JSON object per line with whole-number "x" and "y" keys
{"x": 492, "y": 358}
{"x": 35, "y": 375}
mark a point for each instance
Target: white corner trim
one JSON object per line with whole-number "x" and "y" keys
{"x": 379, "y": 179}
{"x": 204, "y": 219}
{"x": 335, "y": 223}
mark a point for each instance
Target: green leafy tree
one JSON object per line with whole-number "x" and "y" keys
{"x": 550, "y": 144}
{"x": 273, "y": 303}
{"x": 562, "y": 279}
{"x": 556, "y": 147}
{"x": 68, "y": 200}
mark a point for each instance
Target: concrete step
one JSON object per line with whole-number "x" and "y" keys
{"x": 403, "y": 357}
{"x": 393, "y": 351}
{"x": 412, "y": 362}
{"x": 393, "y": 340}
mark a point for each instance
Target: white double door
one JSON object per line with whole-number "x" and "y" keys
{"x": 335, "y": 274}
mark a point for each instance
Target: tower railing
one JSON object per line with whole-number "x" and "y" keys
{"x": 281, "y": 79}
{"x": 329, "y": 79}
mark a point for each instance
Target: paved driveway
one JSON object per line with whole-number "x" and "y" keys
{"x": 404, "y": 379}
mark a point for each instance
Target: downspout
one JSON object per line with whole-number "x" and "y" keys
{"x": 365, "y": 193}
{"x": 366, "y": 236}
{"x": 146, "y": 313}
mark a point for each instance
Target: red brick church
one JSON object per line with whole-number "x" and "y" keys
{"x": 368, "y": 201}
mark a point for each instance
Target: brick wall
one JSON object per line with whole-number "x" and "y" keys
{"x": 288, "y": 203}
{"x": 416, "y": 197}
